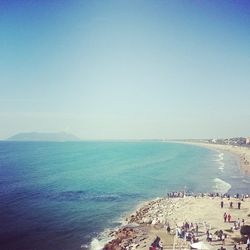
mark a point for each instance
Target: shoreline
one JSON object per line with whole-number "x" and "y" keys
{"x": 242, "y": 152}
{"x": 151, "y": 220}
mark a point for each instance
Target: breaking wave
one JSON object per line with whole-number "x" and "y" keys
{"x": 221, "y": 186}
{"x": 220, "y": 160}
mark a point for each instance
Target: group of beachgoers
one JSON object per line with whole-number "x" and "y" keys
{"x": 231, "y": 204}
{"x": 176, "y": 194}
{"x": 190, "y": 231}
{"x": 182, "y": 194}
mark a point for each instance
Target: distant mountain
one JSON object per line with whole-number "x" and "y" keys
{"x": 37, "y": 136}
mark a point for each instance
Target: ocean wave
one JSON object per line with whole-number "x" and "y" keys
{"x": 219, "y": 157}
{"x": 98, "y": 243}
{"x": 221, "y": 186}
{"x": 220, "y": 160}
{"x": 246, "y": 181}
{"x": 84, "y": 246}
{"x": 221, "y": 166}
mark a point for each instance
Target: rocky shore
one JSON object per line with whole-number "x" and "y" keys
{"x": 163, "y": 216}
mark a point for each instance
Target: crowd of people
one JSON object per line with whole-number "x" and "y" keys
{"x": 190, "y": 231}
{"x": 181, "y": 194}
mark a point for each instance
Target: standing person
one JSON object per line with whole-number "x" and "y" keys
{"x": 229, "y": 218}
{"x": 221, "y": 204}
{"x": 168, "y": 229}
{"x": 239, "y": 203}
{"x": 248, "y": 243}
{"x": 196, "y": 229}
{"x": 238, "y": 223}
{"x": 210, "y": 237}
{"x": 231, "y": 204}
{"x": 225, "y": 217}
{"x": 223, "y": 239}
{"x": 243, "y": 222}
{"x": 207, "y": 233}
{"x": 160, "y": 246}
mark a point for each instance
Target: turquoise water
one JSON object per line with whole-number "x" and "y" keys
{"x": 62, "y": 195}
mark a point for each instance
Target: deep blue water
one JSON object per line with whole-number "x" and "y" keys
{"x": 62, "y": 195}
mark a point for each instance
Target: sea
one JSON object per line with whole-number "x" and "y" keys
{"x": 69, "y": 195}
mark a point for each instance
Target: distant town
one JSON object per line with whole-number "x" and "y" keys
{"x": 236, "y": 141}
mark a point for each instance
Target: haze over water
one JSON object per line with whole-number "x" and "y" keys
{"x": 125, "y": 69}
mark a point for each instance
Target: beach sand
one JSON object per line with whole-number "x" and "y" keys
{"x": 148, "y": 222}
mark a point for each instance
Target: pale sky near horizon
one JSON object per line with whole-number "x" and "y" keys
{"x": 125, "y": 69}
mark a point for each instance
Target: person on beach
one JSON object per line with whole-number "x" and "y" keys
{"x": 229, "y": 218}
{"x": 207, "y": 233}
{"x": 221, "y": 204}
{"x": 168, "y": 228}
{"x": 222, "y": 248}
{"x": 178, "y": 231}
{"x": 196, "y": 229}
{"x": 225, "y": 217}
{"x": 223, "y": 239}
{"x": 243, "y": 222}
{"x": 248, "y": 243}
{"x": 156, "y": 244}
{"x": 231, "y": 204}
{"x": 160, "y": 245}
{"x": 239, "y": 203}
{"x": 238, "y": 223}
{"x": 237, "y": 247}
{"x": 210, "y": 237}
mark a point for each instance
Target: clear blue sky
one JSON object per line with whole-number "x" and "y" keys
{"x": 125, "y": 69}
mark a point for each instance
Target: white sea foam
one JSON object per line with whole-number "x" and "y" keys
{"x": 84, "y": 246}
{"x": 245, "y": 181}
{"x": 221, "y": 156}
{"x": 100, "y": 242}
{"x": 96, "y": 244}
{"x": 220, "y": 160}
{"x": 221, "y": 186}
{"x": 221, "y": 166}
{"x": 102, "y": 239}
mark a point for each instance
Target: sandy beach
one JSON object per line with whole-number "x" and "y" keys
{"x": 151, "y": 220}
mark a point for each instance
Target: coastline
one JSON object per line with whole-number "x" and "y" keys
{"x": 242, "y": 152}
{"x": 151, "y": 220}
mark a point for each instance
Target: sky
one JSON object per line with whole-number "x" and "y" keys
{"x": 118, "y": 69}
